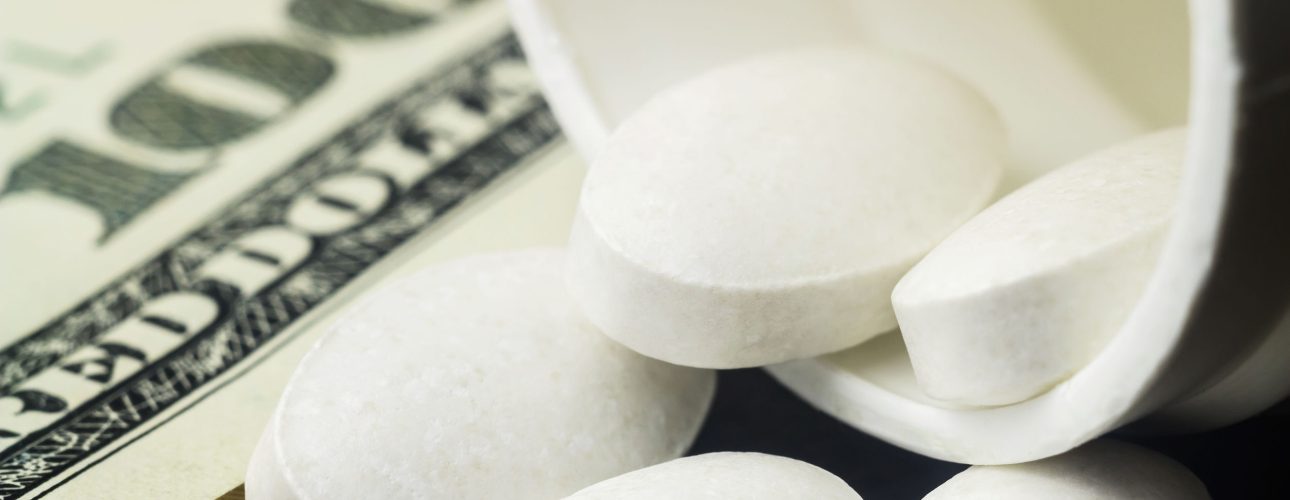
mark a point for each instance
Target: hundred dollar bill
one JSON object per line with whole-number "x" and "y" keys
{"x": 190, "y": 190}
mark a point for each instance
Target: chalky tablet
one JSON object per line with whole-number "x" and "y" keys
{"x": 474, "y": 379}
{"x": 720, "y": 476}
{"x": 764, "y": 210}
{"x": 1101, "y": 470}
{"x": 1029, "y": 290}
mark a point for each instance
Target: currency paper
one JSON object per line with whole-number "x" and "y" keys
{"x": 190, "y": 190}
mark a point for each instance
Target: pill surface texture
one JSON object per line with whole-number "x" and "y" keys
{"x": 720, "y": 476}
{"x": 474, "y": 379}
{"x": 763, "y": 211}
{"x": 1100, "y": 470}
{"x": 1033, "y": 287}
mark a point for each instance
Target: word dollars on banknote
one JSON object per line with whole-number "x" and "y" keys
{"x": 183, "y": 185}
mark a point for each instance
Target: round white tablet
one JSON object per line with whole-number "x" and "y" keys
{"x": 1101, "y": 470}
{"x": 1032, "y": 288}
{"x": 720, "y": 476}
{"x": 474, "y": 379}
{"x": 763, "y": 211}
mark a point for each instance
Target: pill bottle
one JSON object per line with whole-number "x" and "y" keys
{"x": 1207, "y": 344}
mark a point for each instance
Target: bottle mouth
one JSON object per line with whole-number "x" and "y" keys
{"x": 1067, "y": 79}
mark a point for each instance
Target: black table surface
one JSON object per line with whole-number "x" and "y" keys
{"x": 753, "y": 412}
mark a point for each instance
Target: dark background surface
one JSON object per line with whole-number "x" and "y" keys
{"x": 753, "y": 412}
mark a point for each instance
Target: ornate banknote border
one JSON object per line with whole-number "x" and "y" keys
{"x": 245, "y": 324}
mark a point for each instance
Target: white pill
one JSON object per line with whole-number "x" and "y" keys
{"x": 1101, "y": 470}
{"x": 720, "y": 476}
{"x": 475, "y": 379}
{"x": 763, "y": 211}
{"x": 1032, "y": 288}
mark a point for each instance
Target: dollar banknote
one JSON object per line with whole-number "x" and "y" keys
{"x": 190, "y": 191}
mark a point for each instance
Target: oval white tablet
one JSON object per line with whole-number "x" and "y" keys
{"x": 1029, "y": 290}
{"x": 474, "y": 379}
{"x": 763, "y": 211}
{"x": 714, "y": 476}
{"x": 1101, "y": 470}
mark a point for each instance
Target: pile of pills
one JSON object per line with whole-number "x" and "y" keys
{"x": 778, "y": 208}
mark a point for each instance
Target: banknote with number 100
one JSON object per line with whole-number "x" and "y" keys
{"x": 184, "y": 184}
